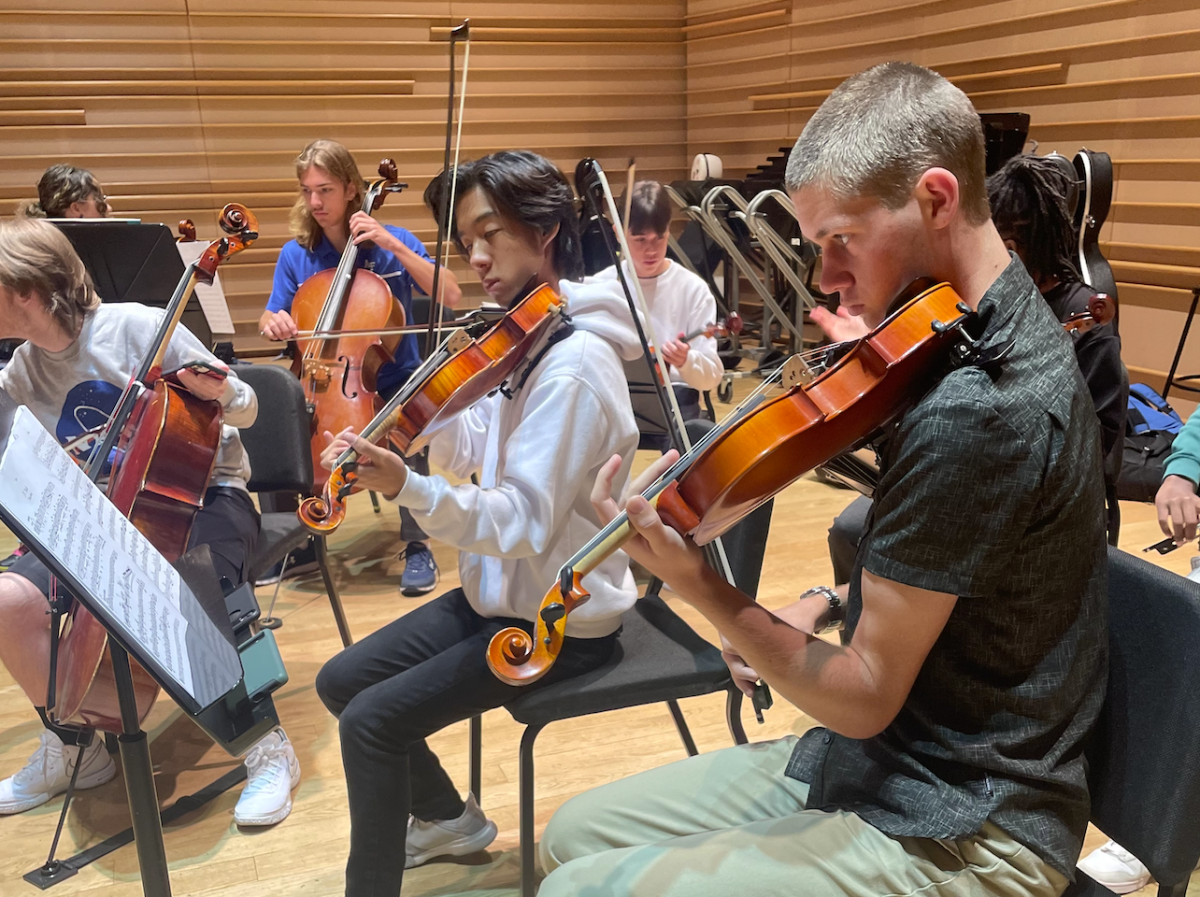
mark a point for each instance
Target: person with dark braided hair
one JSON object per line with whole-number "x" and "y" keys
{"x": 1029, "y": 200}
{"x": 65, "y": 191}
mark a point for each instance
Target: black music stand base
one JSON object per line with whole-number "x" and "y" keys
{"x": 50, "y": 874}
{"x": 139, "y": 784}
{"x": 139, "y": 788}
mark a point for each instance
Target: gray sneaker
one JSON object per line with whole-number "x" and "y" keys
{"x": 420, "y": 570}
{"x": 469, "y": 833}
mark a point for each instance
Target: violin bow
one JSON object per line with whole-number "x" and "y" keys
{"x": 463, "y": 31}
{"x": 659, "y": 371}
{"x": 637, "y": 301}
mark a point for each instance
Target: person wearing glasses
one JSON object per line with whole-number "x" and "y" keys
{"x": 66, "y": 192}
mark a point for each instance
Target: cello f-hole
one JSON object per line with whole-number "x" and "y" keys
{"x": 346, "y": 378}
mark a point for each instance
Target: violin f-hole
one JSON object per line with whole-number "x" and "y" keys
{"x": 346, "y": 378}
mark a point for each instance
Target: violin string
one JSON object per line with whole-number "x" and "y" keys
{"x": 682, "y": 463}
{"x": 380, "y": 422}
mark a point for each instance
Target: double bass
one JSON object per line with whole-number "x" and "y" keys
{"x": 760, "y": 448}
{"x": 339, "y": 374}
{"x": 166, "y": 442}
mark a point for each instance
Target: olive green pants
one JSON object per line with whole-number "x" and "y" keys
{"x": 730, "y": 824}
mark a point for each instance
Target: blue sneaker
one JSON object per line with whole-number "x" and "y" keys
{"x": 420, "y": 570}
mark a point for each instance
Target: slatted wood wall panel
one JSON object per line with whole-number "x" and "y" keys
{"x": 179, "y": 106}
{"x": 1117, "y": 75}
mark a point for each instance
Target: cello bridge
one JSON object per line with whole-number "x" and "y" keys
{"x": 316, "y": 372}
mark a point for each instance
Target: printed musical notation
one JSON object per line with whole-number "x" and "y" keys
{"x": 68, "y": 516}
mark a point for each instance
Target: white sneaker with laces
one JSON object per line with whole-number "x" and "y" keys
{"x": 48, "y": 773}
{"x": 470, "y": 832}
{"x": 1116, "y": 868}
{"x": 272, "y": 772}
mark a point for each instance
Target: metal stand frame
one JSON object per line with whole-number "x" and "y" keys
{"x": 1183, "y": 383}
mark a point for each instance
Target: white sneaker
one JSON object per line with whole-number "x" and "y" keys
{"x": 48, "y": 773}
{"x": 1116, "y": 868}
{"x": 470, "y": 832}
{"x": 272, "y": 772}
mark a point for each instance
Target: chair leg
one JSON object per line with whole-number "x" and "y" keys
{"x": 733, "y": 715}
{"x": 528, "y": 847}
{"x": 685, "y": 734}
{"x": 1179, "y": 890}
{"x": 335, "y": 600}
{"x": 375, "y": 502}
{"x": 475, "y": 757}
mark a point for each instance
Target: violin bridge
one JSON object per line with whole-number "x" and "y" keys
{"x": 797, "y": 372}
{"x": 458, "y": 341}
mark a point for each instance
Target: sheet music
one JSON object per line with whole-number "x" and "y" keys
{"x": 212, "y": 298}
{"x": 68, "y": 516}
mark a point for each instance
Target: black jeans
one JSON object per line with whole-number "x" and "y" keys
{"x": 394, "y": 688}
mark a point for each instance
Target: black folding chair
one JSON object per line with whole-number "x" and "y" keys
{"x": 281, "y": 461}
{"x": 658, "y": 658}
{"x": 1144, "y": 755}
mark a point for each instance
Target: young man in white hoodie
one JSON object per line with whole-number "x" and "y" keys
{"x": 536, "y": 450}
{"x": 679, "y": 302}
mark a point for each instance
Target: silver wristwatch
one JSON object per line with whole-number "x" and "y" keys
{"x": 835, "y": 616}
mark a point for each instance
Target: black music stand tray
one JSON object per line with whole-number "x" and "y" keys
{"x": 133, "y": 261}
{"x": 74, "y": 541}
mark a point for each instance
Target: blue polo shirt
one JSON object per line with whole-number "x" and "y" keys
{"x": 296, "y": 264}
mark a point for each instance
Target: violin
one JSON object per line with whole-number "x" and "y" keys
{"x": 465, "y": 369}
{"x": 731, "y": 326}
{"x": 167, "y": 441}
{"x": 1101, "y": 310}
{"x": 763, "y": 446}
{"x": 339, "y": 374}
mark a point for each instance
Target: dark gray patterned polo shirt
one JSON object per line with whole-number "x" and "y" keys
{"x": 991, "y": 490}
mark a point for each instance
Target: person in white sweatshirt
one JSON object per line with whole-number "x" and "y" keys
{"x": 536, "y": 449}
{"x": 77, "y": 357}
{"x": 680, "y": 303}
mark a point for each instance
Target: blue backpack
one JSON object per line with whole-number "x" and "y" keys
{"x": 1149, "y": 412}
{"x": 1150, "y": 429}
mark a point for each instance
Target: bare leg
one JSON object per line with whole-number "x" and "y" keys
{"x": 25, "y": 635}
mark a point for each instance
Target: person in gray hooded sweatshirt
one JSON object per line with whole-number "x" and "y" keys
{"x": 536, "y": 450}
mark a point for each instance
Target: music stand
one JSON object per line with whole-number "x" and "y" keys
{"x": 149, "y": 610}
{"x": 133, "y": 262}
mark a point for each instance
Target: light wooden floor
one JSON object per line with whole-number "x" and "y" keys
{"x": 305, "y": 853}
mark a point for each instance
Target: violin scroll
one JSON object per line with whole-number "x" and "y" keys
{"x": 518, "y": 658}
{"x": 324, "y": 513}
{"x": 1103, "y": 308}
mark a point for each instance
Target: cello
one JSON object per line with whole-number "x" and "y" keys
{"x": 339, "y": 374}
{"x": 471, "y": 364}
{"x": 166, "y": 443}
{"x": 760, "y": 448}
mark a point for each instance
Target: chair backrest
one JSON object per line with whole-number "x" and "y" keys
{"x": 647, "y": 410}
{"x": 746, "y": 541}
{"x": 1144, "y": 756}
{"x": 279, "y": 441}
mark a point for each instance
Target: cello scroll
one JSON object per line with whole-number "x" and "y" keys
{"x": 242, "y": 227}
